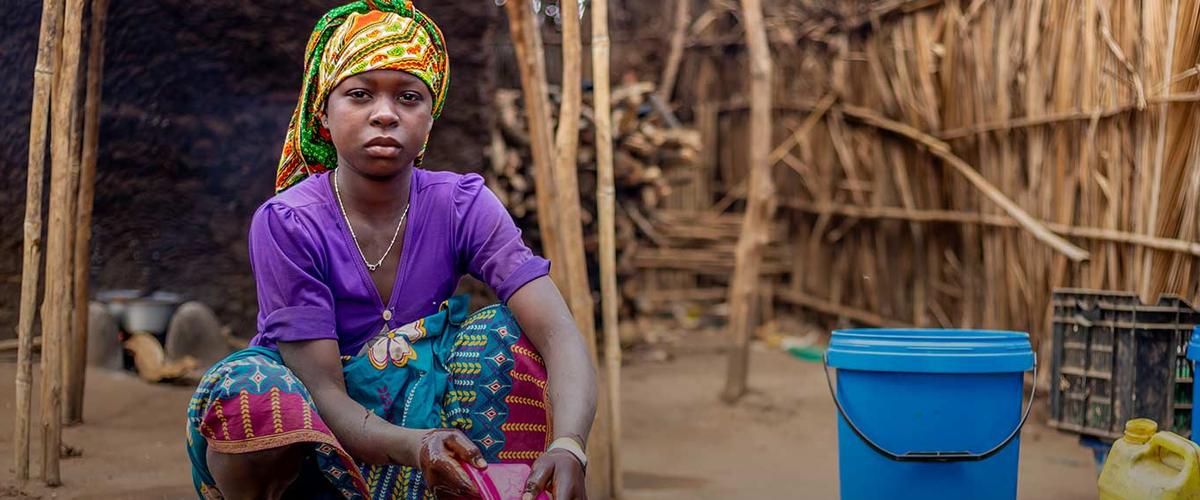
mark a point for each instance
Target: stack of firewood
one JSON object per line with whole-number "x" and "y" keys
{"x": 675, "y": 246}
{"x": 647, "y": 140}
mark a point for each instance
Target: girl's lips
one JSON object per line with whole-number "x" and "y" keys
{"x": 383, "y": 151}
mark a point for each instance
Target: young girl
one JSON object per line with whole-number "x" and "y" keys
{"x": 365, "y": 378}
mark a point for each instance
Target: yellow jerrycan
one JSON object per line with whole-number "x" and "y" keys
{"x": 1151, "y": 465}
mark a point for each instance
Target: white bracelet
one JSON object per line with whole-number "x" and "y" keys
{"x": 572, "y": 446}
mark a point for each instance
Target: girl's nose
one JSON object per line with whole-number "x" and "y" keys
{"x": 384, "y": 117}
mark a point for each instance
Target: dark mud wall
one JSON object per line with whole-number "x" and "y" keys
{"x": 18, "y": 47}
{"x": 196, "y": 99}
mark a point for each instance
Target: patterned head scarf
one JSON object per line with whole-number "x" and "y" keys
{"x": 355, "y": 38}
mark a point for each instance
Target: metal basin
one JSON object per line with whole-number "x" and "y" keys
{"x": 150, "y": 314}
{"x": 116, "y": 302}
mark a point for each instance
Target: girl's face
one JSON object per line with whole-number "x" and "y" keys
{"x": 379, "y": 120}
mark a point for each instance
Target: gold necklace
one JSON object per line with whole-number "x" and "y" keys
{"x": 345, "y": 215}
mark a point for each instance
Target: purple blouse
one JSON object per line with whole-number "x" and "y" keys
{"x": 313, "y": 284}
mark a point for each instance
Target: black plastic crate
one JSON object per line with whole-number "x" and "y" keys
{"x": 1116, "y": 359}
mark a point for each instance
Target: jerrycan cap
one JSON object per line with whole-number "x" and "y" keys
{"x": 1139, "y": 430}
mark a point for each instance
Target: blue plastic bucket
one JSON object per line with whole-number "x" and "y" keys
{"x": 1193, "y": 354}
{"x": 928, "y": 414}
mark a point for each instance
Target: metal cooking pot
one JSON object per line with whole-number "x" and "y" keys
{"x": 150, "y": 314}
{"x": 116, "y": 301}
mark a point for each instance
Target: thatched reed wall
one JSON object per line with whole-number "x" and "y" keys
{"x": 1082, "y": 113}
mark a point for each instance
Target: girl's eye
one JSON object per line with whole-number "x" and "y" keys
{"x": 410, "y": 96}
{"x": 358, "y": 94}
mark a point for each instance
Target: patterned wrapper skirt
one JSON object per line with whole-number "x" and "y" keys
{"x": 475, "y": 372}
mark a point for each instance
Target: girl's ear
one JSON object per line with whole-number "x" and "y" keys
{"x": 325, "y": 119}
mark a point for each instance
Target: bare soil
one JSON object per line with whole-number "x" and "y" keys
{"x": 680, "y": 441}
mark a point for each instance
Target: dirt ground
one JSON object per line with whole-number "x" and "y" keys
{"x": 680, "y": 442}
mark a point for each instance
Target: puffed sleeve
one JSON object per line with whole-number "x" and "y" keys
{"x": 294, "y": 302}
{"x": 489, "y": 243}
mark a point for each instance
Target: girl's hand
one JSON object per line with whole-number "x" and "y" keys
{"x": 557, "y": 471}
{"x": 439, "y": 457}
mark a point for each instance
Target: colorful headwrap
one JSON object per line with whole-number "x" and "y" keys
{"x": 361, "y": 36}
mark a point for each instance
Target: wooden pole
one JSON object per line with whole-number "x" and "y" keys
{"x": 76, "y": 376}
{"x": 75, "y": 141}
{"x": 570, "y": 229}
{"x": 562, "y": 237}
{"x": 43, "y": 78}
{"x": 666, "y": 87}
{"x": 760, "y": 203}
{"x": 56, "y": 305}
{"x": 570, "y": 232}
{"x": 527, "y": 43}
{"x": 606, "y": 212}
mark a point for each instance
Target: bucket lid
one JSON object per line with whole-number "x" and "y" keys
{"x": 1193, "y": 350}
{"x": 930, "y": 350}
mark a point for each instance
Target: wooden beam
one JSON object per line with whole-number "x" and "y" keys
{"x": 1002, "y": 125}
{"x": 49, "y": 40}
{"x": 898, "y": 213}
{"x": 718, "y": 261}
{"x": 606, "y": 217}
{"x": 1065, "y": 116}
{"x": 995, "y": 220}
{"x": 59, "y": 253}
{"x": 682, "y": 294}
{"x": 15, "y": 344}
{"x": 760, "y": 204}
{"x": 800, "y": 133}
{"x": 818, "y": 29}
{"x": 1032, "y": 121}
{"x": 76, "y": 374}
{"x": 867, "y": 318}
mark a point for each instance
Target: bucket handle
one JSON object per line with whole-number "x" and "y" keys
{"x": 931, "y": 456}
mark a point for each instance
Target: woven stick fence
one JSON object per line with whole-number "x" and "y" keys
{"x": 950, "y": 162}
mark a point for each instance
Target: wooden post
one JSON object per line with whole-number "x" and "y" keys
{"x": 566, "y": 180}
{"x": 527, "y": 43}
{"x": 760, "y": 203}
{"x": 606, "y": 213}
{"x": 76, "y": 376}
{"x": 558, "y": 198}
{"x": 43, "y": 78}
{"x": 75, "y": 140}
{"x": 666, "y": 87}
{"x": 570, "y": 232}
{"x": 57, "y": 302}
